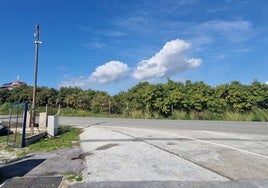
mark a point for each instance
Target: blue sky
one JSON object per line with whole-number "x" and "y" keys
{"x": 111, "y": 45}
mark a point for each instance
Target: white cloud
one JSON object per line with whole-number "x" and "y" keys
{"x": 235, "y": 31}
{"x": 266, "y": 82}
{"x": 109, "y": 72}
{"x": 169, "y": 60}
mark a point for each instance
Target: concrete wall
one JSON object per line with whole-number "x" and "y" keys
{"x": 31, "y": 139}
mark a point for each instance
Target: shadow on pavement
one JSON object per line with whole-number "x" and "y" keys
{"x": 18, "y": 168}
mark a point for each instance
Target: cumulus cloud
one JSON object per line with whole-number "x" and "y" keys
{"x": 169, "y": 60}
{"x": 109, "y": 72}
{"x": 266, "y": 82}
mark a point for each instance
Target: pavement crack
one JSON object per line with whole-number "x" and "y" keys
{"x": 106, "y": 146}
{"x": 82, "y": 156}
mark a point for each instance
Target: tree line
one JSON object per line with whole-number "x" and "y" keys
{"x": 153, "y": 99}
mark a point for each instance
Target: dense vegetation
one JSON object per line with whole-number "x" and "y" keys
{"x": 189, "y": 100}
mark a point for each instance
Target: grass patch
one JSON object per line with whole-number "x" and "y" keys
{"x": 73, "y": 177}
{"x": 4, "y": 109}
{"x": 12, "y": 140}
{"x": 3, "y": 139}
{"x": 68, "y": 137}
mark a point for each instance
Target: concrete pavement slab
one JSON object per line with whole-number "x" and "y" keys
{"x": 213, "y": 145}
{"x": 175, "y": 184}
{"x": 130, "y": 160}
{"x": 215, "y": 153}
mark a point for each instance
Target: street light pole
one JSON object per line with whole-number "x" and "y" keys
{"x": 37, "y": 42}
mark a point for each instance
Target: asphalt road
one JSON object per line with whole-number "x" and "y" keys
{"x": 259, "y": 128}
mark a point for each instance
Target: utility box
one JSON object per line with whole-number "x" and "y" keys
{"x": 52, "y": 125}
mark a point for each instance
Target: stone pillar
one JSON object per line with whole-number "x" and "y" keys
{"x": 43, "y": 120}
{"x": 28, "y": 120}
{"x": 52, "y": 125}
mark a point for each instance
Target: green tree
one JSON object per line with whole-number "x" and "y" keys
{"x": 196, "y": 96}
{"x": 160, "y": 100}
{"x": 20, "y": 94}
{"x": 70, "y": 97}
{"x": 102, "y": 102}
{"x": 138, "y": 97}
{"x": 259, "y": 94}
{"x": 47, "y": 96}
{"x": 121, "y": 103}
{"x": 86, "y": 98}
{"x": 4, "y": 96}
{"x": 175, "y": 94}
{"x": 238, "y": 98}
{"x": 217, "y": 100}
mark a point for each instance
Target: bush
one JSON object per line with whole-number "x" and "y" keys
{"x": 137, "y": 114}
{"x": 180, "y": 115}
{"x": 260, "y": 115}
{"x": 4, "y": 109}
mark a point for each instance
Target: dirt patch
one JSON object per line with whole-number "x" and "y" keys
{"x": 7, "y": 156}
{"x": 171, "y": 143}
{"x": 107, "y": 146}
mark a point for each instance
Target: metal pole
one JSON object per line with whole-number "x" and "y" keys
{"x": 37, "y": 42}
{"x": 23, "y": 144}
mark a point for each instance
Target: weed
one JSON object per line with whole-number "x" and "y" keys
{"x": 73, "y": 177}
